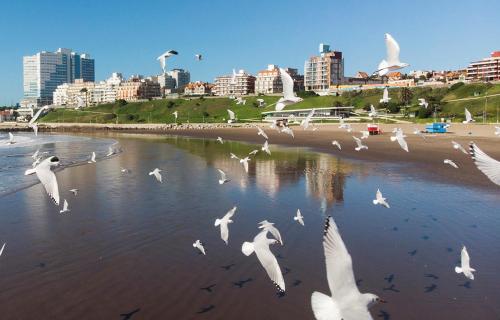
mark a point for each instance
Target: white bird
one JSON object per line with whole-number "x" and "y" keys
{"x": 345, "y": 302}
{"x": 288, "y": 131}
{"x": 343, "y": 125}
{"x": 305, "y": 123}
{"x": 111, "y": 152}
{"x": 244, "y": 162}
{"x": 176, "y": 115}
{"x": 92, "y": 158}
{"x": 468, "y": 117}
{"x": 391, "y": 62}
{"x": 198, "y": 57}
{"x": 199, "y": 245}
{"x": 223, "y": 223}
{"x": 219, "y": 139}
{"x": 233, "y": 156}
{"x": 417, "y": 132}
{"x": 379, "y": 199}
{"x": 123, "y": 170}
{"x": 451, "y": 163}
{"x": 385, "y": 96}
{"x": 11, "y": 139}
{"x": 37, "y": 114}
{"x": 489, "y": 166}
{"x": 265, "y": 148}
{"x": 289, "y": 96}
{"x": 80, "y": 103}
{"x": 47, "y": 177}
{"x": 465, "y": 265}
{"x": 274, "y": 125}
{"x": 253, "y": 152}
{"x": 233, "y": 78}
{"x": 65, "y": 207}
{"x": 232, "y": 117}
{"x": 240, "y": 100}
{"x": 373, "y": 112}
{"x": 163, "y": 58}
{"x": 337, "y": 144}
{"x": 299, "y": 217}
{"x": 260, "y": 246}
{"x": 458, "y": 146}
{"x": 34, "y": 126}
{"x": 3, "y": 247}
{"x": 400, "y": 138}
{"x": 360, "y": 145}
{"x": 223, "y": 179}
{"x": 365, "y": 134}
{"x": 497, "y": 131}
{"x": 423, "y": 103}
{"x": 156, "y": 173}
{"x": 35, "y": 155}
{"x": 74, "y": 191}
{"x": 36, "y": 162}
{"x": 262, "y": 133}
{"x": 269, "y": 226}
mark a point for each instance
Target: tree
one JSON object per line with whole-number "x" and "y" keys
{"x": 406, "y": 96}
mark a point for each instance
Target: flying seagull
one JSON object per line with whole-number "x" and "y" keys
{"x": 253, "y": 152}
{"x": 289, "y": 96}
{"x": 269, "y": 226}
{"x": 288, "y": 131}
{"x": 391, "y": 62}
{"x": 37, "y": 114}
{"x": 346, "y": 301}
{"x": 489, "y": 166}
{"x": 176, "y": 114}
{"x": 219, "y": 139}
{"x": 47, "y": 177}
{"x": 360, "y": 145}
{"x": 451, "y": 163}
{"x": 385, "y": 96}
{"x": 92, "y": 158}
{"x": 364, "y": 134}
{"x": 11, "y": 139}
{"x": 305, "y": 123}
{"x": 373, "y": 113}
{"x": 468, "y": 117}
{"x": 232, "y": 116}
{"x": 262, "y": 133}
{"x": 3, "y": 247}
{"x": 233, "y": 156}
{"x": 299, "y": 217}
{"x": 199, "y": 245}
{"x": 417, "y": 132}
{"x": 65, "y": 207}
{"x": 379, "y": 199}
{"x": 260, "y": 246}
{"x": 156, "y": 173}
{"x": 400, "y": 138}
{"x": 458, "y": 146}
{"x": 111, "y": 151}
{"x": 244, "y": 162}
{"x": 423, "y": 103}
{"x": 265, "y": 148}
{"x": 223, "y": 223}
{"x": 74, "y": 191}
{"x": 223, "y": 179}
{"x": 198, "y": 57}
{"x": 163, "y": 59}
{"x": 344, "y": 125}
{"x": 497, "y": 131}
{"x": 337, "y": 144}
{"x": 465, "y": 265}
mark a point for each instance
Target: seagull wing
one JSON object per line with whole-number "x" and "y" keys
{"x": 402, "y": 142}
{"x": 287, "y": 85}
{"x": 465, "y": 259}
{"x": 275, "y": 232}
{"x": 358, "y": 141}
{"x": 489, "y": 166}
{"x": 37, "y": 114}
{"x": 468, "y": 115}
{"x": 49, "y": 181}
{"x": 268, "y": 260}
{"x": 230, "y": 214}
{"x": 224, "y": 231}
{"x": 231, "y": 114}
{"x": 392, "y": 50}
{"x": 245, "y": 165}
{"x": 222, "y": 175}
{"x": 262, "y": 133}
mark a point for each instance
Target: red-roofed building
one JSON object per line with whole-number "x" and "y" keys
{"x": 487, "y": 69}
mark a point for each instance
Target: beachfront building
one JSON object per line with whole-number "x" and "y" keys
{"x": 487, "y": 69}
{"x": 327, "y": 113}
{"x": 269, "y": 81}
{"x": 137, "y": 88}
{"x": 181, "y": 77}
{"x": 198, "y": 88}
{"x": 44, "y": 71}
{"x": 324, "y": 71}
{"x": 239, "y": 85}
{"x": 7, "y": 115}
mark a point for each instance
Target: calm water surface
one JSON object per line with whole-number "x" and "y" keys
{"x": 125, "y": 250}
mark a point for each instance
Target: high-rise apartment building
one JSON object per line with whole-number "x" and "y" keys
{"x": 487, "y": 69}
{"x": 324, "y": 71}
{"x": 239, "y": 84}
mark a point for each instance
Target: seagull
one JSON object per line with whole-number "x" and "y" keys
{"x": 269, "y": 226}
{"x": 360, "y": 146}
{"x": 224, "y": 231}
{"x": 346, "y": 301}
{"x": 37, "y": 114}
{"x": 80, "y": 103}
{"x": 305, "y": 123}
{"x": 223, "y": 178}
{"x": 232, "y": 116}
{"x": 11, "y": 139}
{"x": 34, "y": 126}
{"x": 35, "y": 155}
{"x": 385, "y": 96}
{"x": 365, "y": 134}
{"x": 423, "y": 103}
{"x": 163, "y": 58}
{"x": 156, "y": 173}
{"x": 497, "y": 131}
{"x": 253, "y": 152}
{"x": 244, "y": 162}
{"x": 37, "y": 161}
{"x": 373, "y": 113}
{"x": 240, "y": 100}
{"x": 262, "y": 133}
{"x": 457, "y": 146}
{"x": 400, "y": 138}
{"x": 65, "y": 207}
{"x": 260, "y": 246}
{"x": 47, "y": 177}
{"x": 199, "y": 245}
{"x": 288, "y": 130}
{"x": 233, "y": 156}
{"x": 391, "y": 62}
{"x": 468, "y": 117}
{"x": 74, "y": 191}
{"x": 379, "y": 199}
{"x": 198, "y": 57}
{"x": 111, "y": 152}
{"x": 336, "y": 143}
{"x": 465, "y": 265}
{"x": 418, "y": 133}
{"x": 220, "y": 140}
{"x": 451, "y": 163}
{"x": 123, "y": 170}
{"x": 176, "y": 114}
{"x": 299, "y": 218}
{"x": 489, "y": 166}
{"x": 289, "y": 96}
{"x": 3, "y": 247}
{"x": 92, "y": 158}
{"x": 265, "y": 148}
{"x": 343, "y": 125}
{"x": 233, "y": 78}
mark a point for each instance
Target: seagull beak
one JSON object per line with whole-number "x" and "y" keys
{"x": 382, "y": 301}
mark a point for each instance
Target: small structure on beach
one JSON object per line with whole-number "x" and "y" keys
{"x": 329, "y": 113}
{"x": 436, "y": 127}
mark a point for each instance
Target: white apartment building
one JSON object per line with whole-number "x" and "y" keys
{"x": 487, "y": 69}
{"x": 269, "y": 81}
{"x": 239, "y": 85}
{"x": 324, "y": 71}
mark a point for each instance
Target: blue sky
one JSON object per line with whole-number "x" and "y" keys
{"x": 127, "y": 36}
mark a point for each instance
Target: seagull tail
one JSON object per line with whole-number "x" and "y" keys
{"x": 247, "y": 248}
{"x": 217, "y": 222}
{"x": 322, "y": 305}
{"x": 375, "y": 201}
{"x": 29, "y": 172}
{"x": 393, "y": 139}
{"x": 458, "y": 270}
{"x": 472, "y": 270}
{"x": 295, "y": 218}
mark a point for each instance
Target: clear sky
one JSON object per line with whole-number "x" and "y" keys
{"x": 127, "y": 36}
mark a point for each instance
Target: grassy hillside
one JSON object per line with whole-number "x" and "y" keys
{"x": 443, "y": 100}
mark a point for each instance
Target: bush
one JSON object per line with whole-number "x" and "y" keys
{"x": 367, "y": 107}
{"x": 392, "y": 107}
{"x": 110, "y": 116}
{"x": 306, "y": 94}
{"x": 121, "y": 102}
{"x": 202, "y": 98}
{"x": 206, "y": 114}
{"x": 423, "y": 113}
{"x": 131, "y": 117}
{"x": 457, "y": 85}
{"x": 170, "y": 104}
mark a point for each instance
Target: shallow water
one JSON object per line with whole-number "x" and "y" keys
{"x": 126, "y": 246}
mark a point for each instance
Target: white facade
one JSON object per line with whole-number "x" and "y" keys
{"x": 243, "y": 84}
{"x": 269, "y": 80}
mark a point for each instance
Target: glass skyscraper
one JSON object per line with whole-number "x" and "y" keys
{"x": 44, "y": 71}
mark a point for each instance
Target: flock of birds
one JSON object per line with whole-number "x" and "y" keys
{"x": 346, "y": 301}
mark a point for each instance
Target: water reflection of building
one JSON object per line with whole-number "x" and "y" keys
{"x": 266, "y": 176}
